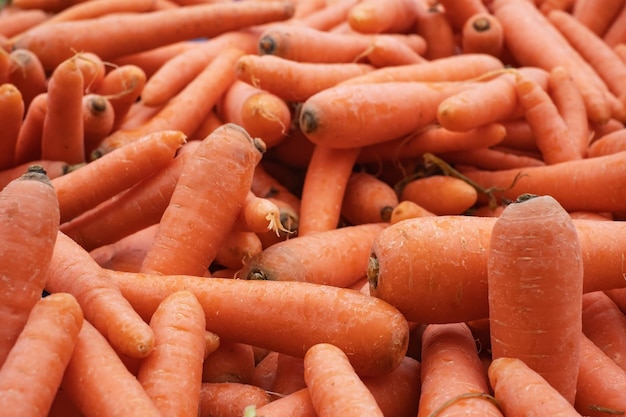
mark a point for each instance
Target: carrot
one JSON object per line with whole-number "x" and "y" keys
{"x": 614, "y": 33}
{"x": 458, "y": 12}
{"x": 519, "y": 135}
{"x": 152, "y": 59}
{"x": 96, "y": 379}
{"x": 294, "y": 80}
{"x": 194, "y": 203}
{"x": 258, "y": 214}
{"x": 367, "y": 199}
{"x": 11, "y": 115}
{"x": 48, "y": 338}
{"x": 93, "y": 69}
{"x": 440, "y": 194}
{"x": 127, "y": 253}
{"x": 230, "y": 362}
{"x": 98, "y": 120}
{"x": 266, "y": 185}
{"x": 15, "y": 20}
{"x": 288, "y": 260}
{"x": 29, "y": 213}
{"x": 53, "y": 169}
{"x": 98, "y": 8}
{"x": 600, "y": 383}
{"x": 379, "y": 16}
{"x": 525, "y": 240}
{"x": 327, "y": 17}
{"x": 238, "y": 246}
{"x": 47, "y": 5}
{"x": 172, "y": 373}
{"x": 62, "y": 130}
{"x": 138, "y": 32}
{"x": 27, "y": 74}
{"x": 130, "y": 210}
{"x": 375, "y": 342}
{"x": 199, "y": 97}
{"x": 327, "y": 175}
{"x": 334, "y": 386}
{"x": 597, "y": 19}
{"x": 407, "y": 209}
{"x": 482, "y": 33}
{"x": 385, "y": 51}
{"x": 608, "y": 144}
{"x": 115, "y": 171}
{"x": 296, "y": 404}
{"x": 288, "y": 375}
{"x": 453, "y": 379}
{"x": 433, "y": 25}
{"x": 62, "y": 406}
{"x": 211, "y": 122}
{"x": 521, "y": 391}
{"x": 495, "y": 158}
{"x": 230, "y": 399}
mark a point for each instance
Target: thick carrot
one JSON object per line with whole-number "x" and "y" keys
{"x": 77, "y": 191}
{"x": 482, "y": 33}
{"x": 97, "y": 381}
{"x": 73, "y": 270}
{"x": 172, "y": 373}
{"x": 11, "y": 114}
{"x": 453, "y": 378}
{"x": 230, "y": 362}
{"x": 375, "y": 342}
{"x": 27, "y": 74}
{"x": 138, "y": 32}
{"x": 15, "y": 20}
{"x": 29, "y": 213}
{"x": 208, "y": 204}
{"x": 47, "y": 339}
{"x": 380, "y": 16}
{"x": 440, "y": 194}
{"x": 230, "y": 399}
{"x": 520, "y": 391}
{"x": 368, "y": 199}
{"x": 289, "y": 260}
{"x": 523, "y": 275}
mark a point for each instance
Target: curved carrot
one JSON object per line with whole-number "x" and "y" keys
{"x": 48, "y": 338}
{"x": 288, "y": 260}
{"x": 379, "y": 16}
{"x": 11, "y": 114}
{"x": 194, "y": 203}
{"x": 368, "y": 199}
{"x": 172, "y": 374}
{"x": 482, "y": 33}
{"x": 440, "y": 194}
{"x": 29, "y": 213}
{"x": 386, "y": 51}
{"x": 375, "y": 342}
{"x": 522, "y": 276}
{"x": 138, "y": 32}
{"x": 27, "y": 74}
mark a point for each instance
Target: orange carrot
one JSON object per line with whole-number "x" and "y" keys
{"x": 614, "y": 33}
{"x": 375, "y": 342}
{"x": 608, "y": 144}
{"x": 267, "y": 185}
{"x": 379, "y": 16}
{"x": 495, "y": 158}
{"x": 453, "y": 379}
{"x": 15, "y": 20}
{"x": 238, "y": 246}
{"x": 27, "y": 74}
{"x": 54, "y": 43}
{"x": 48, "y": 338}
{"x": 152, "y": 59}
{"x": 115, "y": 172}
{"x": 258, "y": 214}
{"x": 367, "y": 199}
{"x": 521, "y": 391}
{"x": 29, "y": 213}
{"x": 53, "y": 169}
{"x": 482, "y": 33}
{"x": 327, "y": 17}
{"x": 62, "y": 131}
{"x": 597, "y": 19}
{"x": 334, "y": 386}
{"x": 458, "y": 12}
{"x": 93, "y": 69}
{"x": 440, "y": 194}
{"x": 97, "y": 379}
{"x": 211, "y": 122}
{"x": 98, "y": 8}
{"x": 194, "y": 202}
{"x": 72, "y": 270}
{"x": 407, "y": 209}
{"x": 126, "y": 254}
{"x": 230, "y": 362}
{"x": 433, "y": 25}
{"x": 172, "y": 373}
{"x": 98, "y": 119}
{"x": 230, "y": 399}
{"x": 11, "y": 115}
{"x": 47, "y": 5}
{"x": 287, "y": 260}
{"x": 385, "y": 51}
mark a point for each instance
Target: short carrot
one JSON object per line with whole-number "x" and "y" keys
{"x": 48, "y": 338}
{"x": 288, "y": 260}
{"x": 482, "y": 33}
{"x": 380, "y": 16}
{"x": 440, "y": 194}
{"x": 54, "y": 43}
{"x": 258, "y": 214}
{"x": 375, "y": 342}
{"x": 29, "y": 213}
{"x": 12, "y": 110}
{"x": 172, "y": 374}
{"x": 407, "y": 209}
{"x": 209, "y": 207}
{"x": 368, "y": 199}
{"x": 522, "y": 275}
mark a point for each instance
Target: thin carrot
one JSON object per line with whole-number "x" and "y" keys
{"x": 267, "y": 185}
{"x": 230, "y": 362}
{"x": 482, "y": 33}
{"x": 194, "y": 203}
{"x": 98, "y": 8}
{"x": 98, "y": 120}
{"x": 15, "y": 20}
{"x": 138, "y": 32}
{"x": 458, "y": 12}
{"x": 368, "y": 199}
{"x": 93, "y": 69}
{"x": 287, "y": 260}
{"x": 433, "y": 25}
{"x": 62, "y": 131}
{"x": 47, "y": 5}
{"x": 115, "y": 172}
{"x": 521, "y": 391}
{"x": 519, "y": 135}
{"x": 172, "y": 373}
{"x": 97, "y": 379}
{"x": 380, "y": 16}
{"x": 11, "y": 114}
{"x": 334, "y": 386}
{"x": 258, "y": 214}
{"x": 230, "y": 399}
{"x": 597, "y": 19}
{"x": 495, "y": 158}
{"x": 453, "y": 379}
{"x": 375, "y": 342}
{"x": 152, "y": 59}
{"x": 525, "y": 240}
{"x": 53, "y": 169}
{"x": 27, "y": 74}
{"x": 385, "y": 51}
{"x": 440, "y": 194}
{"x": 327, "y": 17}
{"x": 29, "y": 213}
{"x": 608, "y": 144}
{"x": 48, "y": 338}
{"x": 72, "y": 270}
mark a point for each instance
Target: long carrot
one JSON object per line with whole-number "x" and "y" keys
{"x": 138, "y": 32}
{"x": 375, "y": 342}
{"x": 12, "y": 111}
{"x": 47, "y": 339}
{"x": 93, "y": 9}
{"x": 29, "y": 213}
{"x": 28, "y": 143}
{"x": 378, "y": 16}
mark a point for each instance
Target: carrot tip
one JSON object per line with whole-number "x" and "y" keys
{"x": 267, "y": 45}
{"x": 372, "y": 271}
{"x": 308, "y": 122}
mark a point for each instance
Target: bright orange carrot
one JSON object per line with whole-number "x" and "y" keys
{"x": 258, "y": 214}
{"x": 230, "y": 362}
{"x": 93, "y": 69}
{"x": 238, "y": 246}
{"x": 385, "y": 51}
{"x": 407, "y": 209}
{"x": 608, "y": 144}
{"x": 98, "y": 8}
{"x": 375, "y": 342}
{"x": 482, "y": 33}
{"x": 29, "y": 213}
{"x": 28, "y": 143}
{"x": 97, "y": 379}
{"x": 230, "y": 399}
{"x": 334, "y": 386}
{"x": 48, "y": 339}
{"x": 98, "y": 120}
{"x": 433, "y": 25}
{"x": 72, "y": 270}
{"x": 62, "y": 131}
{"x": 11, "y": 114}
{"x": 15, "y": 20}
{"x": 53, "y": 169}
{"x": 172, "y": 374}
{"x": 495, "y": 158}
{"x": 458, "y": 12}
{"x": 54, "y": 43}
{"x": 521, "y": 391}
{"x": 379, "y": 16}
{"x": 115, "y": 172}
{"x": 287, "y": 260}
{"x": 440, "y": 194}
{"x": 27, "y": 74}
{"x": 367, "y": 199}
{"x": 453, "y": 379}
{"x": 597, "y": 19}
{"x": 194, "y": 202}
{"x": 152, "y": 59}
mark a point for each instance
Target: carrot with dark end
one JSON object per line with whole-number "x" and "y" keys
{"x": 482, "y": 33}
{"x": 28, "y": 142}
{"x": 27, "y": 73}
{"x": 368, "y": 199}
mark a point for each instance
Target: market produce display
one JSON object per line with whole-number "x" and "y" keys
{"x": 312, "y": 208}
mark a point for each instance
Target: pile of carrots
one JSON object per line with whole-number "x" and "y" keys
{"x": 312, "y": 208}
